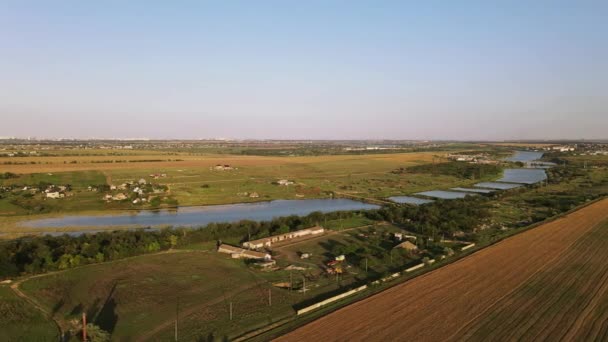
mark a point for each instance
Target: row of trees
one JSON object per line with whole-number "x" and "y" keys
{"x": 456, "y": 169}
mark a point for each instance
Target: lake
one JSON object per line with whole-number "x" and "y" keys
{"x": 525, "y": 156}
{"x": 200, "y": 216}
{"x": 524, "y": 176}
{"x": 410, "y": 200}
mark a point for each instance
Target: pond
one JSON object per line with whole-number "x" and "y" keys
{"x": 499, "y": 186}
{"x": 410, "y": 200}
{"x": 478, "y": 191}
{"x": 443, "y": 194}
{"x": 525, "y": 156}
{"x": 524, "y": 176}
{"x": 200, "y": 216}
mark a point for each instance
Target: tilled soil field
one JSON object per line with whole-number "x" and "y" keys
{"x": 545, "y": 284}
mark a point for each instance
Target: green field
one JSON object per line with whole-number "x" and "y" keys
{"x": 141, "y": 294}
{"x": 20, "y": 321}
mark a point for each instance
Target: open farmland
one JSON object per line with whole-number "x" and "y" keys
{"x": 139, "y": 296}
{"x": 523, "y": 288}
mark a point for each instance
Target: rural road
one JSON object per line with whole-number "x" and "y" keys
{"x": 441, "y": 304}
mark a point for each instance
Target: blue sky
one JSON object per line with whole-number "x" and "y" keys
{"x": 304, "y": 69}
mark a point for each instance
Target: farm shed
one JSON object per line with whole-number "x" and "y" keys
{"x": 267, "y": 242}
{"x": 240, "y": 253}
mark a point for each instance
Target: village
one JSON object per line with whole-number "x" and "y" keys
{"x": 321, "y": 257}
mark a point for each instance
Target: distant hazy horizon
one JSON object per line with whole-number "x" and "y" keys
{"x": 471, "y": 70}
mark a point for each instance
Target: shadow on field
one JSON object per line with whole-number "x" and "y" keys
{"x": 107, "y": 317}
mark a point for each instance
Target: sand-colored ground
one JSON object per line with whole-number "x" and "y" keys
{"x": 457, "y": 302}
{"x": 82, "y": 163}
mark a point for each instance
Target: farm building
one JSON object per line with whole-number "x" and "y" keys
{"x": 54, "y": 195}
{"x": 408, "y": 246}
{"x": 267, "y": 242}
{"x": 240, "y": 253}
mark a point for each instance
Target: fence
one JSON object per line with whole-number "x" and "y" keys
{"x": 331, "y": 300}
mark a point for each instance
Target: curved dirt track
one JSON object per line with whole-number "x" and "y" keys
{"x": 443, "y": 304}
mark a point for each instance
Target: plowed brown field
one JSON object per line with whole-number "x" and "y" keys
{"x": 548, "y": 283}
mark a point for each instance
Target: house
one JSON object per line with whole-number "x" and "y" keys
{"x": 254, "y": 195}
{"x": 240, "y": 253}
{"x": 267, "y": 242}
{"x": 107, "y": 197}
{"x": 408, "y": 246}
{"x": 55, "y": 194}
{"x": 142, "y": 181}
{"x": 340, "y": 258}
{"x": 136, "y": 201}
{"x": 112, "y": 187}
{"x": 398, "y": 236}
{"x": 119, "y": 197}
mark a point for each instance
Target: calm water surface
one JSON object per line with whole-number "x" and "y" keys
{"x": 200, "y": 216}
{"x": 410, "y": 200}
{"x": 525, "y": 156}
{"x": 443, "y": 194}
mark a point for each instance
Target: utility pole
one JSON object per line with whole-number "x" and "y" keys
{"x": 304, "y": 285}
{"x": 176, "y": 317}
{"x": 269, "y": 297}
{"x": 84, "y": 326}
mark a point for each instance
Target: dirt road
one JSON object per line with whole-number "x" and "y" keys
{"x": 445, "y": 304}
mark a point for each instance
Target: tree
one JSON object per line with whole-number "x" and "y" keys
{"x": 173, "y": 240}
{"x": 96, "y": 334}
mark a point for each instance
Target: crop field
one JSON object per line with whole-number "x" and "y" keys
{"x": 523, "y": 288}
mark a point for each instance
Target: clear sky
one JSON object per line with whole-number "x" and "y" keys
{"x": 304, "y": 69}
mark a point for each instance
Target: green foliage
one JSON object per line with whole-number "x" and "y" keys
{"x": 456, "y": 169}
{"x": 96, "y": 334}
{"x": 8, "y": 175}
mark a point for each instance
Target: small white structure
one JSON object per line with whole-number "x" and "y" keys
{"x": 55, "y": 194}
{"x": 408, "y": 246}
{"x": 284, "y": 182}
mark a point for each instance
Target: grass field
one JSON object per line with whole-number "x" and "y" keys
{"x": 463, "y": 295}
{"x": 138, "y": 297}
{"x": 20, "y": 321}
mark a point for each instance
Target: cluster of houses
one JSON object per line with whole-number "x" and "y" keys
{"x": 51, "y": 191}
{"x": 141, "y": 190}
{"x": 561, "y": 148}
{"x": 479, "y": 158}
